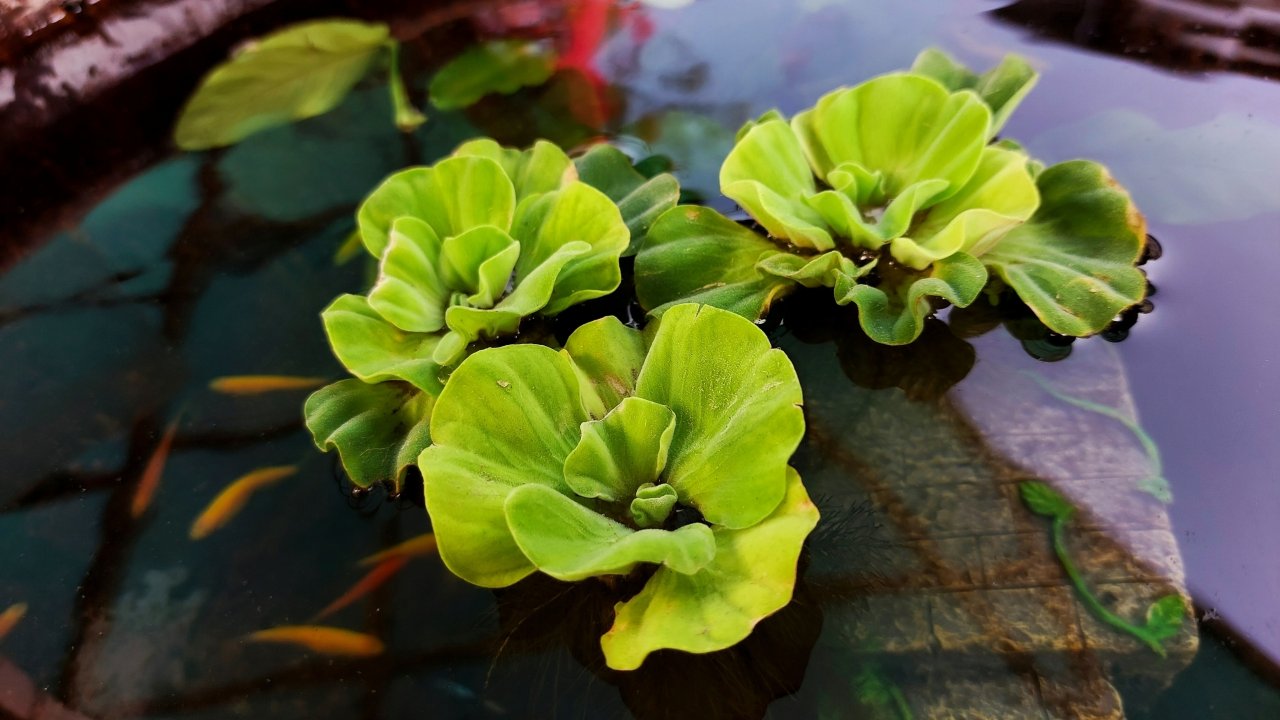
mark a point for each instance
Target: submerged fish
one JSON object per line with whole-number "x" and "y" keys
{"x": 234, "y": 496}
{"x": 151, "y": 474}
{"x": 381, "y": 573}
{"x": 424, "y": 544}
{"x": 322, "y": 639}
{"x": 258, "y": 384}
{"x": 11, "y": 617}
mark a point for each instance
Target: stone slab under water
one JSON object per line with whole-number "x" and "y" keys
{"x": 965, "y": 604}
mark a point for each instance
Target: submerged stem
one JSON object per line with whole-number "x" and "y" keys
{"x": 900, "y": 703}
{"x": 1095, "y": 606}
{"x": 1155, "y": 485}
{"x": 407, "y": 117}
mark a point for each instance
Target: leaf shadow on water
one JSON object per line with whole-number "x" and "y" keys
{"x": 924, "y": 370}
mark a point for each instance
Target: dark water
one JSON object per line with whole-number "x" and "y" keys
{"x": 928, "y": 589}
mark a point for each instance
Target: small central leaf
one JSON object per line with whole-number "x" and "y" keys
{"x": 479, "y": 261}
{"x": 652, "y": 505}
{"x": 623, "y": 451}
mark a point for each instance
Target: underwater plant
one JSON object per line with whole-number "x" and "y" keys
{"x": 466, "y": 249}
{"x": 1165, "y": 616}
{"x": 1154, "y": 484}
{"x": 624, "y": 451}
{"x": 892, "y": 194}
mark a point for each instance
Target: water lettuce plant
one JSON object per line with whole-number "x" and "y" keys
{"x": 307, "y": 69}
{"x": 893, "y": 194}
{"x": 622, "y": 453}
{"x": 497, "y": 66}
{"x": 298, "y": 72}
{"x": 465, "y": 249}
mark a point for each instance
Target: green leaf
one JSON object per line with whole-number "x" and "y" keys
{"x": 766, "y": 173}
{"x": 908, "y": 127}
{"x": 751, "y": 577}
{"x": 619, "y": 453}
{"x": 454, "y": 195}
{"x": 1073, "y": 262}
{"x": 299, "y": 72}
{"x": 409, "y": 292}
{"x": 738, "y": 416}
{"x": 999, "y": 196}
{"x": 378, "y": 430}
{"x": 1044, "y": 500}
{"x": 479, "y": 260}
{"x": 653, "y": 504}
{"x": 849, "y": 220}
{"x": 374, "y": 350}
{"x": 577, "y": 213}
{"x": 454, "y": 259}
{"x": 349, "y": 249}
{"x": 1166, "y": 616}
{"x": 529, "y": 296}
{"x": 608, "y": 356}
{"x": 831, "y": 269}
{"x": 694, "y": 254}
{"x": 542, "y": 168}
{"x": 570, "y": 542}
{"x": 640, "y": 200}
{"x": 499, "y": 66}
{"x": 508, "y": 417}
{"x": 766, "y": 116}
{"x": 936, "y": 64}
{"x": 407, "y": 117}
{"x": 519, "y": 478}
{"x": 894, "y": 312}
{"x": 1002, "y": 88}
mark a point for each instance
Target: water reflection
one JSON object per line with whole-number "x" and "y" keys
{"x": 971, "y": 590}
{"x": 924, "y": 370}
{"x": 1186, "y": 35}
{"x": 738, "y": 682}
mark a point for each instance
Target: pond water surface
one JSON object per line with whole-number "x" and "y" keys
{"x": 929, "y": 591}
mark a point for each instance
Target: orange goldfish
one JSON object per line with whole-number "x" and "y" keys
{"x": 381, "y": 573}
{"x": 424, "y": 544}
{"x": 234, "y": 496}
{"x": 151, "y": 474}
{"x": 11, "y": 617}
{"x": 258, "y": 384}
{"x": 321, "y": 639}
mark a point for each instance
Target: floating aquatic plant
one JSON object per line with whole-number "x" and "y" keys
{"x": 640, "y": 199}
{"x": 299, "y": 72}
{"x": 498, "y": 66}
{"x": 307, "y": 69}
{"x": 466, "y": 249}
{"x": 1164, "y": 616}
{"x": 892, "y": 194}
{"x": 625, "y": 451}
